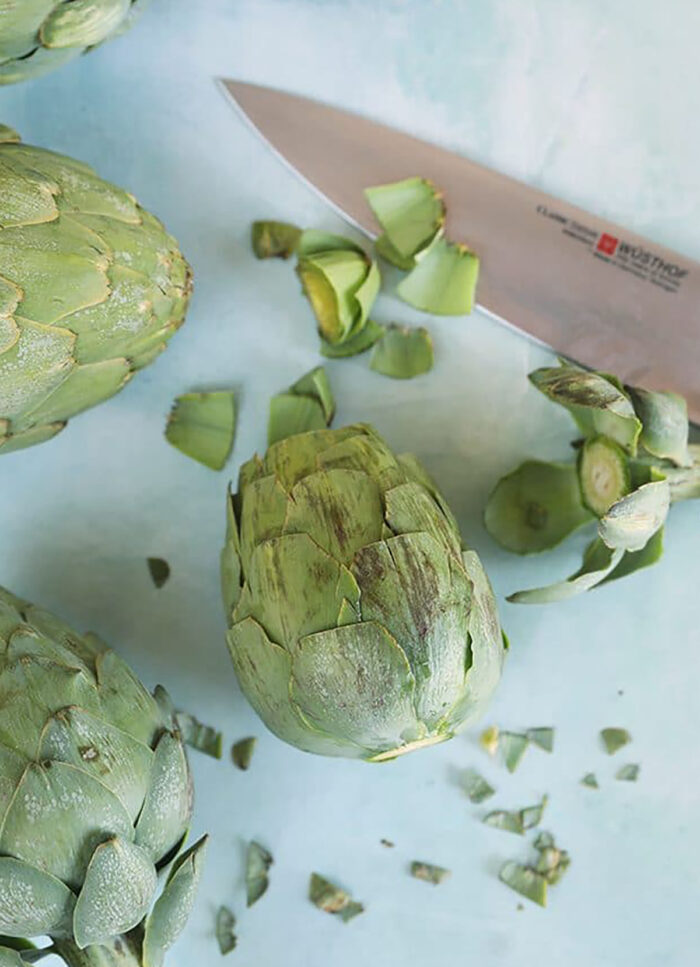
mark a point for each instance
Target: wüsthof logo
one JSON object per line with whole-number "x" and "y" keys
{"x": 607, "y": 244}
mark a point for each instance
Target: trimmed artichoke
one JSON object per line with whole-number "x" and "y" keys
{"x": 92, "y": 287}
{"x": 38, "y": 35}
{"x": 358, "y": 626}
{"x": 95, "y": 797}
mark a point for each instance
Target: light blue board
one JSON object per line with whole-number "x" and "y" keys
{"x": 582, "y": 98}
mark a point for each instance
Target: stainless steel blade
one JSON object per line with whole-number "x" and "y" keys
{"x": 594, "y": 291}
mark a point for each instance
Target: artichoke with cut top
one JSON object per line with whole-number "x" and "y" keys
{"x": 358, "y": 624}
{"x": 95, "y": 798}
{"x": 38, "y": 35}
{"x": 92, "y": 287}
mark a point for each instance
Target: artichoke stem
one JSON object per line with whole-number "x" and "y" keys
{"x": 124, "y": 951}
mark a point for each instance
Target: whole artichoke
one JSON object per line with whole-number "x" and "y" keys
{"x": 95, "y": 798}
{"x": 38, "y": 35}
{"x": 358, "y": 625}
{"x": 91, "y": 289}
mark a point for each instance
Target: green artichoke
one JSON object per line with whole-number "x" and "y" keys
{"x": 95, "y": 798}
{"x": 91, "y": 289}
{"x": 358, "y": 626}
{"x": 38, "y": 35}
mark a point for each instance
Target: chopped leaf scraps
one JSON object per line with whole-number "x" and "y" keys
{"x": 542, "y": 737}
{"x": 476, "y": 787}
{"x": 258, "y": 863}
{"x": 489, "y": 739}
{"x": 203, "y": 426}
{"x": 403, "y": 352}
{"x": 513, "y": 746}
{"x": 360, "y": 343}
{"x": 614, "y": 739}
{"x": 628, "y": 773}
{"x": 225, "y": 930}
{"x": 532, "y": 881}
{"x": 203, "y": 738}
{"x": 411, "y": 213}
{"x": 159, "y": 570}
{"x": 590, "y": 780}
{"x": 332, "y": 899}
{"x": 443, "y": 281}
{"x": 242, "y": 752}
{"x": 429, "y": 872}
{"x": 531, "y": 816}
{"x": 274, "y": 239}
{"x": 502, "y": 819}
{"x": 307, "y": 405}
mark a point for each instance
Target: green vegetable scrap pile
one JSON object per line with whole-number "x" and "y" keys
{"x": 633, "y": 462}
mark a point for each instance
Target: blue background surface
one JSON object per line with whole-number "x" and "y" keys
{"x": 593, "y": 101}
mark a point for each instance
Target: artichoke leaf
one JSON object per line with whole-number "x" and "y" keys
{"x": 168, "y": 804}
{"x": 535, "y": 507}
{"x": 411, "y": 212}
{"x": 316, "y": 385}
{"x": 173, "y": 907}
{"x": 636, "y": 560}
{"x": 82, "y": 23}
{"x": 632, "y": 521}
{"x": 355, "y": 681}
{"x": 403, "y": 352}
{"x": 29, "y": 198}
{"x": 33, "y": 367}
{"x": 258, "y": 863}
{"x": 125, "y": 701}
{"x": 410, "y": 508}
{"x": 292, "y": 459}
{"x": 596, "y": 402}
{"x": 599, "y": 561}
{"x": 664, "y": 418}
{"x": 271, "y": 239}
{"x": 443, "y": 281}
{"x": 291, "y": 414}
{"x": 11, "y": 958}
{"x": 32, "y": 902}
{"x": 355, "y": 344}
{"x": 242, "y": 752}
{"x": 117, "y": 892}
{"x": 83, "y": 387}
{"x": 262, "y": 513}
{"x": 203, "y": 426}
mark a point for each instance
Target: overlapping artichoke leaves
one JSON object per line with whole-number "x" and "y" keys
{"x": 645, "y": 437}
{"x": 91, "y": 289}
{"x": 358, "y": 626}
{"x": 38, "y": 35}
{"x": 95, "y": 793}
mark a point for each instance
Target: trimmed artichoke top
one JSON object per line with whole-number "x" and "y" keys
{"x": 92, "y": 287}
{"x": 358, "y": 626}
{"x": 38, "y": 35}
{"x": 95, "y": 790}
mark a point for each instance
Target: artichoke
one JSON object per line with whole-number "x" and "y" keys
{"x": 95, "y": 798}
{"x": 358, "y": 626}
{"x": 91, "y": 289}
{"x": 38, "y": 35}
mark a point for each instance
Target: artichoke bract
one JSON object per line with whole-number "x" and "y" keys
{"x": 92, "y": 287}
{"x": 358, "y": 625}
{"x": 95, "y": 798}
{"x": 38, "y": 35}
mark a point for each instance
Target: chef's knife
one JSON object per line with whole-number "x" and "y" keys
{"x": 595, "y": 292}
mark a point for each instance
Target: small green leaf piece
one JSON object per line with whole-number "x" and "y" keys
{"x": 159, "y": 570}
{"x": 590, "y": 780}
{"x": 444, "y": 280}
{"x": 525, "y": 881}
{"x": 614, "y": 739}
{"x": 531, "y": 816}
{"x": 332, "y": 899}
{"x": 513, "y": 746}
{"x": 508, "y": 821}
{"x": 403, "y": 352}
{"x": 225, "y": 930}
{"x": 535, "y": 507}
{"x": 385, "y": 250}
{"x": 242, "y": 752}
{"x": 274, "y": 239}
{"x": 632, "y": 521}
{"x": 476, "y": 787}
{"x": 359, "y": 343}
{"x": 203, "y": 738}
{"x": 488, "y": 739}
{"x": 411, "y": 212}
{"x": 429, "y": 872}
{"x": 604, "y": 473}
{"x": 636, "y": 560}
{"x": 291, "y": 414}
{"x": 542, "y": 737}
{"x": 258, "y": 863}
{"x": 598, "y": 562}
{"x": 596, "y": 401}
{"x": 664, "y": 419}
{"x": 316, "y": 385}
{"x": 628, "y": 773}
{"x": 203, "y": 426}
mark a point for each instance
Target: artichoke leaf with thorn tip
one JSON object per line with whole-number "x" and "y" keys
{"x": 95, "y": 798}
{"x": 92, "y": 287}
{"x": 358, "y": 626}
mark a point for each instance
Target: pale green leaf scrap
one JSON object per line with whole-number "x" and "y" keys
{"x": 476, "y": 787}
{"x": 614, "y": 739}
{"x": 203, "y": 426}
{"x": 203, "y": 738}
{"x": 429, "y": 872}
{"x": 543, "y": 737}
{"x": 403, "y": 352}
{"x": 628, "y": 773}
{"x": 258, "y": 863}
{"x": 513, "y": 746}
{"x": 242, "y": 752}
{"x": 225, "y": 930}
{"x": 271, "y": 239}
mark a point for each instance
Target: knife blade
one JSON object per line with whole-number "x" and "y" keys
{"x": 597, "y": 293}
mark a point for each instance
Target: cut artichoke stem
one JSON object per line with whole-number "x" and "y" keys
{"x": 604, "y": 474}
